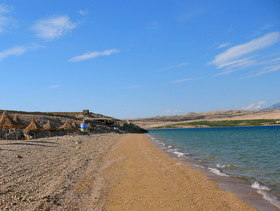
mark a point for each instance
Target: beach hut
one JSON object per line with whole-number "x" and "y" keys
{"x": 18, "y": 122}
{"x": 6, "y": 122}
{"x": 33, "y": 126}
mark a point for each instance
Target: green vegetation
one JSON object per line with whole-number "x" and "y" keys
{"x": 225, "y": 123}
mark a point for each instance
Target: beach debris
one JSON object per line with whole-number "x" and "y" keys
{"x": 19, "y": 156}
{"x": 78, "y": 147}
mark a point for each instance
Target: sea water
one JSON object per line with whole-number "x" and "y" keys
{"x": 250, "y": 153}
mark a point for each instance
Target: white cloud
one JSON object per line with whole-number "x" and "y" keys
{"x": 183, "y": 64}
{"x": 5, "y": 20}
{"x": 53, "y": 27}
{"x": 17, "y": 51}
{"x": 93, "y": 54}
{"x": 54, "y": 86}
{"x": 184, "y": 80}
{"x": 83, "y": 12}
{"x": 223, "y": 45}
{"x": 226, "y": 58}
{"x": 254, "y": 106}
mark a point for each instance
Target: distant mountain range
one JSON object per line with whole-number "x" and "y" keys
{"x": 273, "y": 107}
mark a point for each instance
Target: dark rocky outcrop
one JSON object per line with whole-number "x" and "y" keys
{"x": 53, "y": 124}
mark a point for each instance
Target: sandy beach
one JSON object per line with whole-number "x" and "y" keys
{"x": 144, "y": 178}
{"x": 103, "y": 172}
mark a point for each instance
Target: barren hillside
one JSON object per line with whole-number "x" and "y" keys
{"x": 162, "y": 121}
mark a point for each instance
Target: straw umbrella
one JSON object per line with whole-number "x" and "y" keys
{"x": 67, "y": 126}
{"x": 74, "y": 125}
{"x": 33, "y": 126}
{"x": 6, "y": 122}
{"x": 18, "y": 122}
{"x": 48, "y": 126}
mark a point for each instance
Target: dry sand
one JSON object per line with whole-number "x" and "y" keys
{"x": 54, "y": 174}
{"x": 144, "y": 178}
{"x": 103, "y": 172}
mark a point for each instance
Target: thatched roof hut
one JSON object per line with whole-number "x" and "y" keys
{"x": 48, "y": 126}
{"x": 18, "y": 122}
{"x": 67, "y": 126}
{"x": 6, "y": 122}
{"x": 33, "y": 125}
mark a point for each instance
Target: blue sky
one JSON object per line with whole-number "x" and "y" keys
{"x": 139, "y": 58}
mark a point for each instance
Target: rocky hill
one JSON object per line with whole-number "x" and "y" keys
{"x": 192, "y": 119}
{"x": 19, "y": 120}
{"x": 273, "y": 107}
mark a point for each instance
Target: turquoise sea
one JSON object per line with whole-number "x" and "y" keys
{"x": 250, "y": 153}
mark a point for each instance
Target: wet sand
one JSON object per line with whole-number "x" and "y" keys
{"x": 142, "y": 177}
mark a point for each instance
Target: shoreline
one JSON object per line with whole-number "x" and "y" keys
{"x": 143, "y": 177}
{"x": 237, "y": 185}
{"x": 212, "y": 127}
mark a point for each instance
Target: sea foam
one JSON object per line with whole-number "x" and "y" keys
{"x": 217, "y": 172}
{"x": 258, "y": 186}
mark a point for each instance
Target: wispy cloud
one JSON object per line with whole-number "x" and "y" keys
{"x": 17, "y": 51}
{"x": 183, "y": 64}
{"x": 223, "y": 45}
{"x": 132, "y": 87}
{"x": 172, "y": 112}
{"x": 267, "y": 26}
{"x": 269, "y": 69}
{"x": 254, "y": 106}
{"x": 184, "y": 80}
{"x": 54, "y": 86}
{"x": 83, "y": 12}
{"x": 93, "y": 54}
{"x": 53, "y": 27}
{"x": 5, "y": 20}
{"x": 227, "y": 57}
{"x": 237, "y": 65}
{"x": 187, "y": 16}
{"x": 240, "y": 57}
